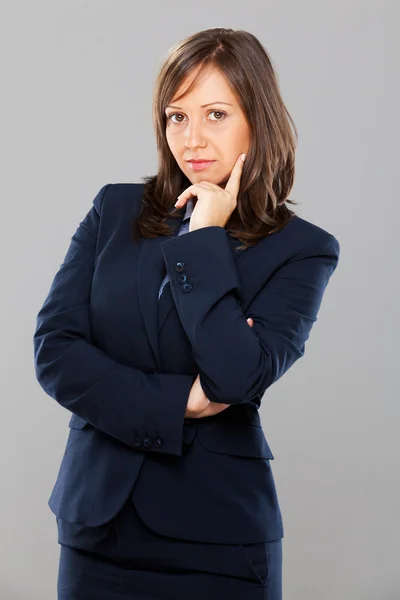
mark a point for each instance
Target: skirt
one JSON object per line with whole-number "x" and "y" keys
{"x": 126, "y": 560}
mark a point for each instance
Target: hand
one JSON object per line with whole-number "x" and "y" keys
{"x": 198, "y": 404}
{"x": 214, "y": 204}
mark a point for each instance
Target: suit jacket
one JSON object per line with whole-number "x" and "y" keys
{"x": 123, "y": 364}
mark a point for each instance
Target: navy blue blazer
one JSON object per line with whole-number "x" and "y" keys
{"x": 123, "y": 363}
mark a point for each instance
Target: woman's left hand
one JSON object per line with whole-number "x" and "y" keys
{"x": 214, "y": 204}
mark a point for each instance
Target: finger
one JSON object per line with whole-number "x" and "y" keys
{"x": 213, "y": 408}
{"x": 192, "y": 190}
{"x": 233, "y": 182}
{"x": 252, "y": 322}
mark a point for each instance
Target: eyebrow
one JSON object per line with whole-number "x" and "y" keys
{"x": 203, "y": 106}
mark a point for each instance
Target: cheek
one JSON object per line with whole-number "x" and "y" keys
{"x": 173, "y": 148}
{"x": 240, "y": 134}
{"x": 240, "y": 138}
{"x": 174, "y": 145}
{"x": 230, "y": 143}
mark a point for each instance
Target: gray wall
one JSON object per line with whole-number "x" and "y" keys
{"x": 76, "y": 85}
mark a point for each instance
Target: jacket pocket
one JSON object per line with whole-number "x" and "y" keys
{"x": 256, "y": 556}
{"x": 77, "y": 422}
{"x": 235, "y": 440}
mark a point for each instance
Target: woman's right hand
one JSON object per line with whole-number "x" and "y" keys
{"x": 198, "y": 404}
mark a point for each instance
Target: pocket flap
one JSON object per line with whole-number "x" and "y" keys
{"x": 77, "y": 422}
{"x": 237, "y": 440}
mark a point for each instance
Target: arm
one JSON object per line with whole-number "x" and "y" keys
{"x": 238, "y": 362}
{"x": 119, "y": 400}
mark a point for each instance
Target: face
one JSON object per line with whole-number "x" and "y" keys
{"x": 218, "y": 131}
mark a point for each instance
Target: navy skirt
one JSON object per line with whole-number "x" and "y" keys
{"x": 126, "y": 560}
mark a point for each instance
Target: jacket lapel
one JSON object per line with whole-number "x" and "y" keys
{"x": 150, "y": 273}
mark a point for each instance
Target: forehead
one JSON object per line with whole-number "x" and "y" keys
{"x": 210, "y": 87}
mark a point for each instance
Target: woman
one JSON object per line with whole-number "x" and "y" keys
{"x": 179, "y": 302}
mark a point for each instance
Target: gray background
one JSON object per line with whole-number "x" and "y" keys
{"x": 76, "y": 85}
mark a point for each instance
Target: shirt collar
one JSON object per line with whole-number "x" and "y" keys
{"x": 189, "y": 209}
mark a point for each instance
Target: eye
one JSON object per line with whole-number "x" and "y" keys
{"x": 217, "y": 112}
{"x": 169, "y": 117}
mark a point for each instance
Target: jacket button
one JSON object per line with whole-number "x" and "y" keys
{"x": 179, "y": 266}
{"x": 136, "y": 441}
{"x": 182, "y": 278}
{"x": 158, "y": 443}
{"x": 187, "y": 287}
{"x": 147, "y": 442}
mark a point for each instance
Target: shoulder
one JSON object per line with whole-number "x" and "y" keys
{"x": 305, "y": 238}
{"x": 299, "y": 241}
{"x": 113, "y": 195}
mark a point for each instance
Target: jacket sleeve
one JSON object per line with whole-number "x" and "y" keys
{"x": 121, "y": 401}
{"x": 237, "y": 362}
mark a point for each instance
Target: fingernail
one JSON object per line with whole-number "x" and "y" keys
{"x": 243, "y": 156}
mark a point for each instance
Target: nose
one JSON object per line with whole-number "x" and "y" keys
{"x": 194, "y": 137}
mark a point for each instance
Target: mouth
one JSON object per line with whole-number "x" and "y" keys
{"x": 199, "y": 165}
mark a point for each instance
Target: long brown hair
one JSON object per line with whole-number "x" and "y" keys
{"x": 269, "y": 168}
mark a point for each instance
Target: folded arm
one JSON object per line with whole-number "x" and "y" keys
{"x": 121, "y": 401}
{"x": 237, "y": 363}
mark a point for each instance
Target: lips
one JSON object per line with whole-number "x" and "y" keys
{"x": 198, "y": 165}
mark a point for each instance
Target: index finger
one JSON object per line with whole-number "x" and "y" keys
{"x": 233, "y": 182}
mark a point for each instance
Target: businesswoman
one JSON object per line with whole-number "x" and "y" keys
{"x": 179, "y": 302}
